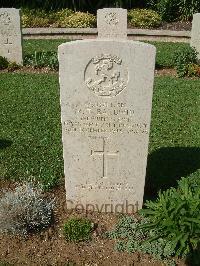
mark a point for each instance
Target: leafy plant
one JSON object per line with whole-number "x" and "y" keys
{"x": 183, "y": 58}
{"x": 25, "y": 210}
{"x": 42, "y": 59}
{"x": 76, "y": 229}
{"x": 144, "y": 18}
{"x": 187, "y": 8}
{"x": 131, "y": 237}
{"x": 175, "y": 216}
{"x": 168, "y": 227}
{"x": 3, "y": 63}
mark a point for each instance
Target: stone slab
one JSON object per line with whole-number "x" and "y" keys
{"x": 112, "y": 23}
{"x": 106, "y": 91}
{"x": 10, "y": 35}
{"x": 195, "y": 34}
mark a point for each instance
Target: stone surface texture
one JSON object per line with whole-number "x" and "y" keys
{"x": 10, "y": 35}
{"x": 106, "y": 91}
{"x": 112, "y": 23}
{"x": 195, "y": 34}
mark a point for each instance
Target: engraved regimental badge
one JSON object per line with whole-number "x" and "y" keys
{"x": 106, "y": 75}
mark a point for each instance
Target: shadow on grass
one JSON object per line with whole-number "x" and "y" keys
{"x": 167, "y": 165}
{"x": 4, "y": 143}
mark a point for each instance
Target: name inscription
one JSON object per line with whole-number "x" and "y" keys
{"x": 104, "y": 118}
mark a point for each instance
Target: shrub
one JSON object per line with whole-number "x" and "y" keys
{"x": 175, "y": 216}
{"x": 3, "y": 63}
{"x": 187, "y": 8}
{"x": 78, "y": 229}
{"x": 144, "y": 18}
{"x": 183, "y": 58}
{"x": 168, "y": 9}
{"x": 24, "y": 210}
{"x": 79, "y": 20}
{"x": 176, "y": 9}
{"x": 42, "y": 59}
{"x": 61, "y": 18}
{"x": 168, "y": 227}
{"x": 131, "y": 237}
{"x": 35, "y": 18}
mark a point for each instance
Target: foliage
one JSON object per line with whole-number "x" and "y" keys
{"x": 78, "y": 229}
{"x": 131, "y": 237}
{"x": 193, "y": 70}
{"x": 3, "y": 63}
{"x": 187, "y": 8}
{"x": 76, "y": 5}
{"x": 42, "y": 18}
{"x": 144, "y": 18}
{"x": 78, "y": 20}
{"x": 168, "y": 227}
{"x": 183, "y": 58}
{"x": 175, "y": 216}
{"x": 24, "y": 210}
{"x": 168, "y": 9}
{"x": 60, "y": 18}
{"x": 42, "y": 59}
{"x": 12, "y": 66}
{"x": 176, "y": 9}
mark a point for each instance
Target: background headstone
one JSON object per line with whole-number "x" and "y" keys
{"x": 112, "y": 23}
{"x": 106, "y": 95}
{"x": 195, "y": 34}
{"x": 10, "y": 35}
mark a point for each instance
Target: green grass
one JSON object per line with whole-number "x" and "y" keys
{"x": 30, "y": 136}
{"x": 165, "y": 52}
{"x": 30, "y": 46}
{"x": 164, "y": 55}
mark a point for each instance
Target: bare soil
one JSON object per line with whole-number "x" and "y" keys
{"x": 49, "y": 247}
{"x": 174, "y": 26}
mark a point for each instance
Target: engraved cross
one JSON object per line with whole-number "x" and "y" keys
{"x": 8, "y": 43}
{"x": 104, "y": 155}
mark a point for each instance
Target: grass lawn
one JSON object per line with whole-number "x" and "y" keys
{"x": 164, "y": 57}
{"x": 30, "y": 136}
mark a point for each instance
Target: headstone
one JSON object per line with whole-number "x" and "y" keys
{"x": 10, "y": 35}
{"x": 106, "y": 90}
{"x": 112, "y": 23}
{"x": 195, "y": 34}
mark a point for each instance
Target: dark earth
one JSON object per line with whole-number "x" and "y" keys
{"x": 176, "y": 26}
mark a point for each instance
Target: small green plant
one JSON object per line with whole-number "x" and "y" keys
{"x": 183, "y": 58}
{"x": 42, "y": 59}
{"x": 144, "y": 18}
{"x": 12, "y": 66}
{"x": 25, "y": 210}
{"x": 3, "y": 63}
{"x": 131, "y": 237}
{"x": 78, "y": 229}
{"x": 175, "y": 216}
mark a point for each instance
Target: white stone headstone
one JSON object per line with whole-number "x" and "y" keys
{"x": 112, "y": 23}
{"x": 195, "y": 34}
{"x": 10, "y": 35}
{"x": 106, "y": 88}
